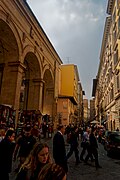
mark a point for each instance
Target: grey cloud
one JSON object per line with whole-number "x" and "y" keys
{"x": 75, "y": 29}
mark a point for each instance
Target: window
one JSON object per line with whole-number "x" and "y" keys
{"x": 114, "y": 15}
{"x": 110, "y": 71}
{"x": 118, "y": 82}
{"x": 21, "y": 97}
{"x": 64, "y": 105}
{"x": 116, "y": 57}
{"x": 118, "y": 3}
{"x": 119, "y": 23}
{"x": 111, "y": 94}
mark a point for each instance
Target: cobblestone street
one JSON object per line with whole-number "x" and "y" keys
{"x": 110, "y": 167}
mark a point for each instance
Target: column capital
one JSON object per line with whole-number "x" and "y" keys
{"x": 17, "y": 64}
{"x": 39, "y": 80}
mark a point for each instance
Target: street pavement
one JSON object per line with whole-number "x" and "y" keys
{"x": 110, "y": 167}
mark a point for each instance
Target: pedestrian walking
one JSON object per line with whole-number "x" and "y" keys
{"x": 74, "y": 145}
{"x": 44, "y": 129}
{"x": 93, "y": 148}
{"x": 59, "y": 151}
{"x": 35, "y": 132}
{"x": 24, "y": 145}
{"x": 6, "y": 153}
{"x": 85, "y": 144}
{"x": 38, "y": 157}
{"x": 52, "y": 171}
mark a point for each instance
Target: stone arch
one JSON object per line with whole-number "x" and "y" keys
{"x": 45, "y": 68}
{"x": 9, "y": 64}
{"x": 48, "y": 92}
{"x": 30, "y": 48}
{"x": 6, "y": 18}
{"x": 30, "y": 86}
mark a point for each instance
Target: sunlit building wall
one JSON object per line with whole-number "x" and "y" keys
{"x": 107, "y": 95}
{"x": 67, "y": 106}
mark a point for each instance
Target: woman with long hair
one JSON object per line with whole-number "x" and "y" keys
{"x": 38, "y": 157}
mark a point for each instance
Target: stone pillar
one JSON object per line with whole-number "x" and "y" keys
{"x": 41, "y": 95}
{"x": 11, "y": 85}
{"x": 35, "y": 94}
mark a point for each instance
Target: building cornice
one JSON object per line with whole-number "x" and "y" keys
{"x": 104, "y": 40}
{"x": 27, "y": 12}
{"x": 105, "y": 35}
{"x": 110, "y": 6}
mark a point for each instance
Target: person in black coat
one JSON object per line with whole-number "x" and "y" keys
{"x": 59, "y": 151}
{"x": 24, "y": 145}
{"x": 6, "y": 153}
{"x": 74, "y": 144}
{"x": 93, "y": 148}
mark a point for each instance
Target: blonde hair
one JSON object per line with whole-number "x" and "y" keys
{"x": 32, "y": 161}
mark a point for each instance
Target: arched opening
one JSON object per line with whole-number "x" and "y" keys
{"x": 8, "y": 53}
{"x": 30, "y": 87}
{"x": 48, "y": 95}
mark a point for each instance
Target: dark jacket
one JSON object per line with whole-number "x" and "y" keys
{"x": 6, "y": 153}
{"x": 93, "y": 141}
{"x": 26, "y": 144}
{"x": 74, "y": 139}
{"x": 27, "y": 174}
{"x": 59, "y": 151}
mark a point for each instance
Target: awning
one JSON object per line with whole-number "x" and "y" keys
{"x": 94, "y": 122}
{"x": 7, "y": 105}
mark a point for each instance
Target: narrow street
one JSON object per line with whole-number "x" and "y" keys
{"x": 110, "y": 167}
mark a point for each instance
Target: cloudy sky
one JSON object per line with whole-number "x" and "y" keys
{"x": 75, "y": 28}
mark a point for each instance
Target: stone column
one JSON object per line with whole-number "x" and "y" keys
{"x": 35, "y": 94}
{"x": 41, "y": 95}
{"x": 11, "y": 85}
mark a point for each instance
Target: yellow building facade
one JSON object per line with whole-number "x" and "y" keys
{"x": 67, "y": 107}
{"x": 69, "y": 81}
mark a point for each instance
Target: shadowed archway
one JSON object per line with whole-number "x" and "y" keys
{"x": 30, "y": 86}
{"x": 48, "y": 93}
{"x": 9, "y": 56}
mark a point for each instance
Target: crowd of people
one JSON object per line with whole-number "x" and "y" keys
{"x": 35, "y": 162}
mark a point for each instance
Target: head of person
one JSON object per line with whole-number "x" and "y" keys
{"x": 2, "y": 132}
{"x": 93, "y": 129}
{"x": 39, "y": 155}
{"x": 27, "y": 130}
{"x": 52, "y": 171}
{"x": 86, "y": 129}
{"x": 10, "y": 135}
{"x": 61, "y": 128}
{"x": 75, "y": 129}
